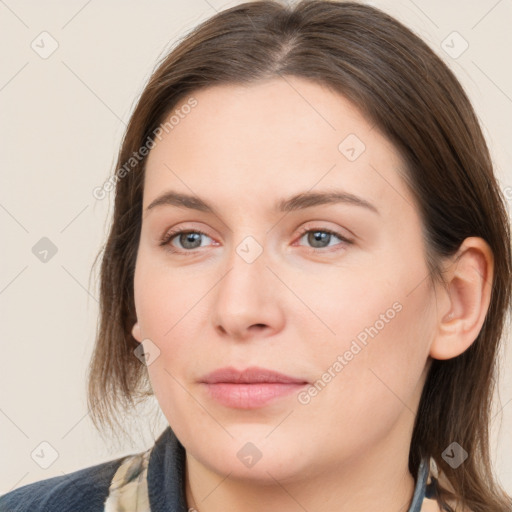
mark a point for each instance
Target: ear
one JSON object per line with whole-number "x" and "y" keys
{"x": 136, "y": 332}
{"x": 465, "y": 299}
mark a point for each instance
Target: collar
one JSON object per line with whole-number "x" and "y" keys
{"x": 138, "y": 483}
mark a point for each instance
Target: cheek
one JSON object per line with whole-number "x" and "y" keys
{"x": 164, "y": 298}
{"x": 167, "y": 308}
{"x": 381, "y": 322}
{"x": 378, "y": 357}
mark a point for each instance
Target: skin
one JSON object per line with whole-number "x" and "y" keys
{"x": 292, "y": 309}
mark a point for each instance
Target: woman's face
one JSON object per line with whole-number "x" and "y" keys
{"x": 348, "y": 316}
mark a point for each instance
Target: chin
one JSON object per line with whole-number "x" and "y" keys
{"x": 252, "y": 457}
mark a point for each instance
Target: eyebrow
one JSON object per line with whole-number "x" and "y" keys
{"x": 297, "y": 202}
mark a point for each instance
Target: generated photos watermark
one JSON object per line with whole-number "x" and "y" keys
{"x": 139, "y": 155}
{"x": 342, "y": 360}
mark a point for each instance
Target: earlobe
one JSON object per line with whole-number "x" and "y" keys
{"x": 136, "y": 332}
{"x": 468, "y": 293}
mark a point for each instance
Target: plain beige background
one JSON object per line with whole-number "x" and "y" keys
{"x": 71, "y": 73}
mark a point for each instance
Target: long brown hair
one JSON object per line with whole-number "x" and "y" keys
{"x": 403, "y": 87}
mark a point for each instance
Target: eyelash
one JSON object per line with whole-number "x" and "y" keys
{"x": 166, "y": 239}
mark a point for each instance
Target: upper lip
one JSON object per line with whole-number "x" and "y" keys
{"x": 249, "y": 375}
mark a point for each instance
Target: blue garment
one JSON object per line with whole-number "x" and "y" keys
{"x": 86, "y": 490}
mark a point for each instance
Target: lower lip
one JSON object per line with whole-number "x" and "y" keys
{"x": 250, "y": 396}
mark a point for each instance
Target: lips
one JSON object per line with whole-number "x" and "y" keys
{"x": 251, "y": 388}
{"x": 252, "y": 375}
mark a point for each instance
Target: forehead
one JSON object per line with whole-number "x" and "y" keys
{"x": 270, "y": 139}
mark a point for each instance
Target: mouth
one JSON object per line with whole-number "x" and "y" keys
{"x": 250, "y": 388}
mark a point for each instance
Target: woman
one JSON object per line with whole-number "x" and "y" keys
{"x": 311, "y": 255}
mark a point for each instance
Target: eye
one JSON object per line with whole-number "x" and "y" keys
{"x": 188, "y": 238}
{"x": 320, "y": 238}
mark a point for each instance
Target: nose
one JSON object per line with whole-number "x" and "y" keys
{"x": 248, "y": 300}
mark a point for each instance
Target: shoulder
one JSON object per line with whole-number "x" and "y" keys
{"x": 82, "y": 490}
